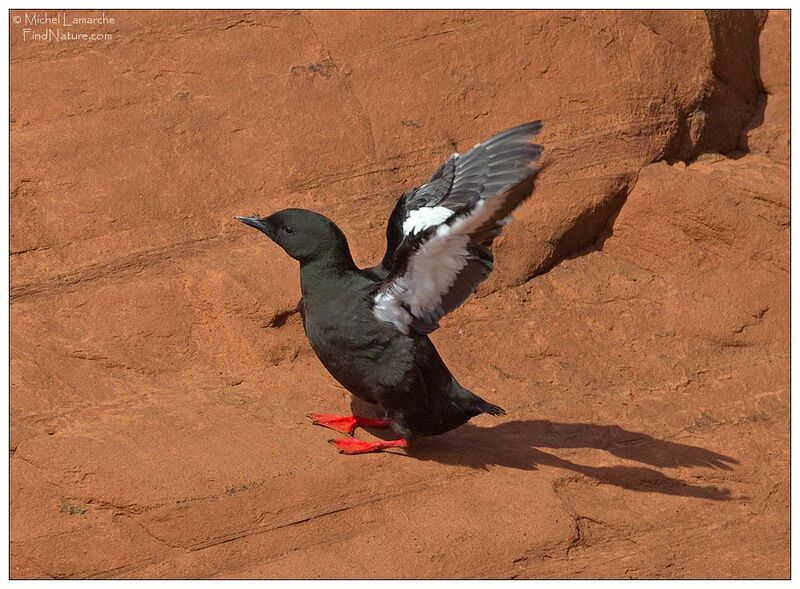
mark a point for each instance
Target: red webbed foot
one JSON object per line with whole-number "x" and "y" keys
{"x": 346, "y": 423}
{"x": 354, "y": 446}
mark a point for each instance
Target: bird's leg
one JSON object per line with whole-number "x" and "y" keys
{"x": 346, "y": 423}
{"x": 354, "y": 446}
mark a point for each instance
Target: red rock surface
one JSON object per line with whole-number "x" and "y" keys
{"x": 636, "y": 329}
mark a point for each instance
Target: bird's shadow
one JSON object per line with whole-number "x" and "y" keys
{"x": 517, "y": 444}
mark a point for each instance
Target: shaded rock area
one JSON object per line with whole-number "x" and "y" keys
{"x": 636, "y": 329}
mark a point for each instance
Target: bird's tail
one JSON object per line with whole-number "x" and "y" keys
{"x": 473, "y": 403}
{"x": 486, "y": 407}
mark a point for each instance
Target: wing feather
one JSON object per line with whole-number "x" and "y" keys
{"x": 463, "y": 180}
{"x": 436, "y": 270}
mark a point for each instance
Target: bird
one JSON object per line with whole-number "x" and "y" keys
{"x": 370, "y": 327}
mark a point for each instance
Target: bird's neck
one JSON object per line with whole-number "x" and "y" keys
{"x": 327, "y": 272}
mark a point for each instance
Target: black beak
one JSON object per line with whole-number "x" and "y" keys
{"x": 256, "y": 222}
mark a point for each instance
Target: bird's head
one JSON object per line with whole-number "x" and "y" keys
{"x": 304, "y": 235}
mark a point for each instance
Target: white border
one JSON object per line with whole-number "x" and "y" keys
{"x": 355, "y": 4}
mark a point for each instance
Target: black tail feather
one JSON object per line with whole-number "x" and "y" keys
{"x": 472, "y": 403}
{"x": 491, "y": 409}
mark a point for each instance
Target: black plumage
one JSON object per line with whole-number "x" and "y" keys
{"x": 369, "y": 326}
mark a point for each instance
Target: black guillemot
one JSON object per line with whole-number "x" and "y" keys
{"x": 369, "y": 327}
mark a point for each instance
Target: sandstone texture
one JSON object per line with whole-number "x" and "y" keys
{"x": 636, "y": 329}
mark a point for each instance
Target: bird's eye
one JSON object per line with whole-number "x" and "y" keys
{"x": 288, "y": 230}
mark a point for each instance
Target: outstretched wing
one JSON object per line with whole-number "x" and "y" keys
{"x": 444, "y": 251}
{"x": 462, "y": 180}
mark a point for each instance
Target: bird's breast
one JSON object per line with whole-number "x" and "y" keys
{"x": 366, "y": 357}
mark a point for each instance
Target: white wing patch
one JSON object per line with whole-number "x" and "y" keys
{"x": 420, "y": 219}
{"x": 432, "y": 269}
